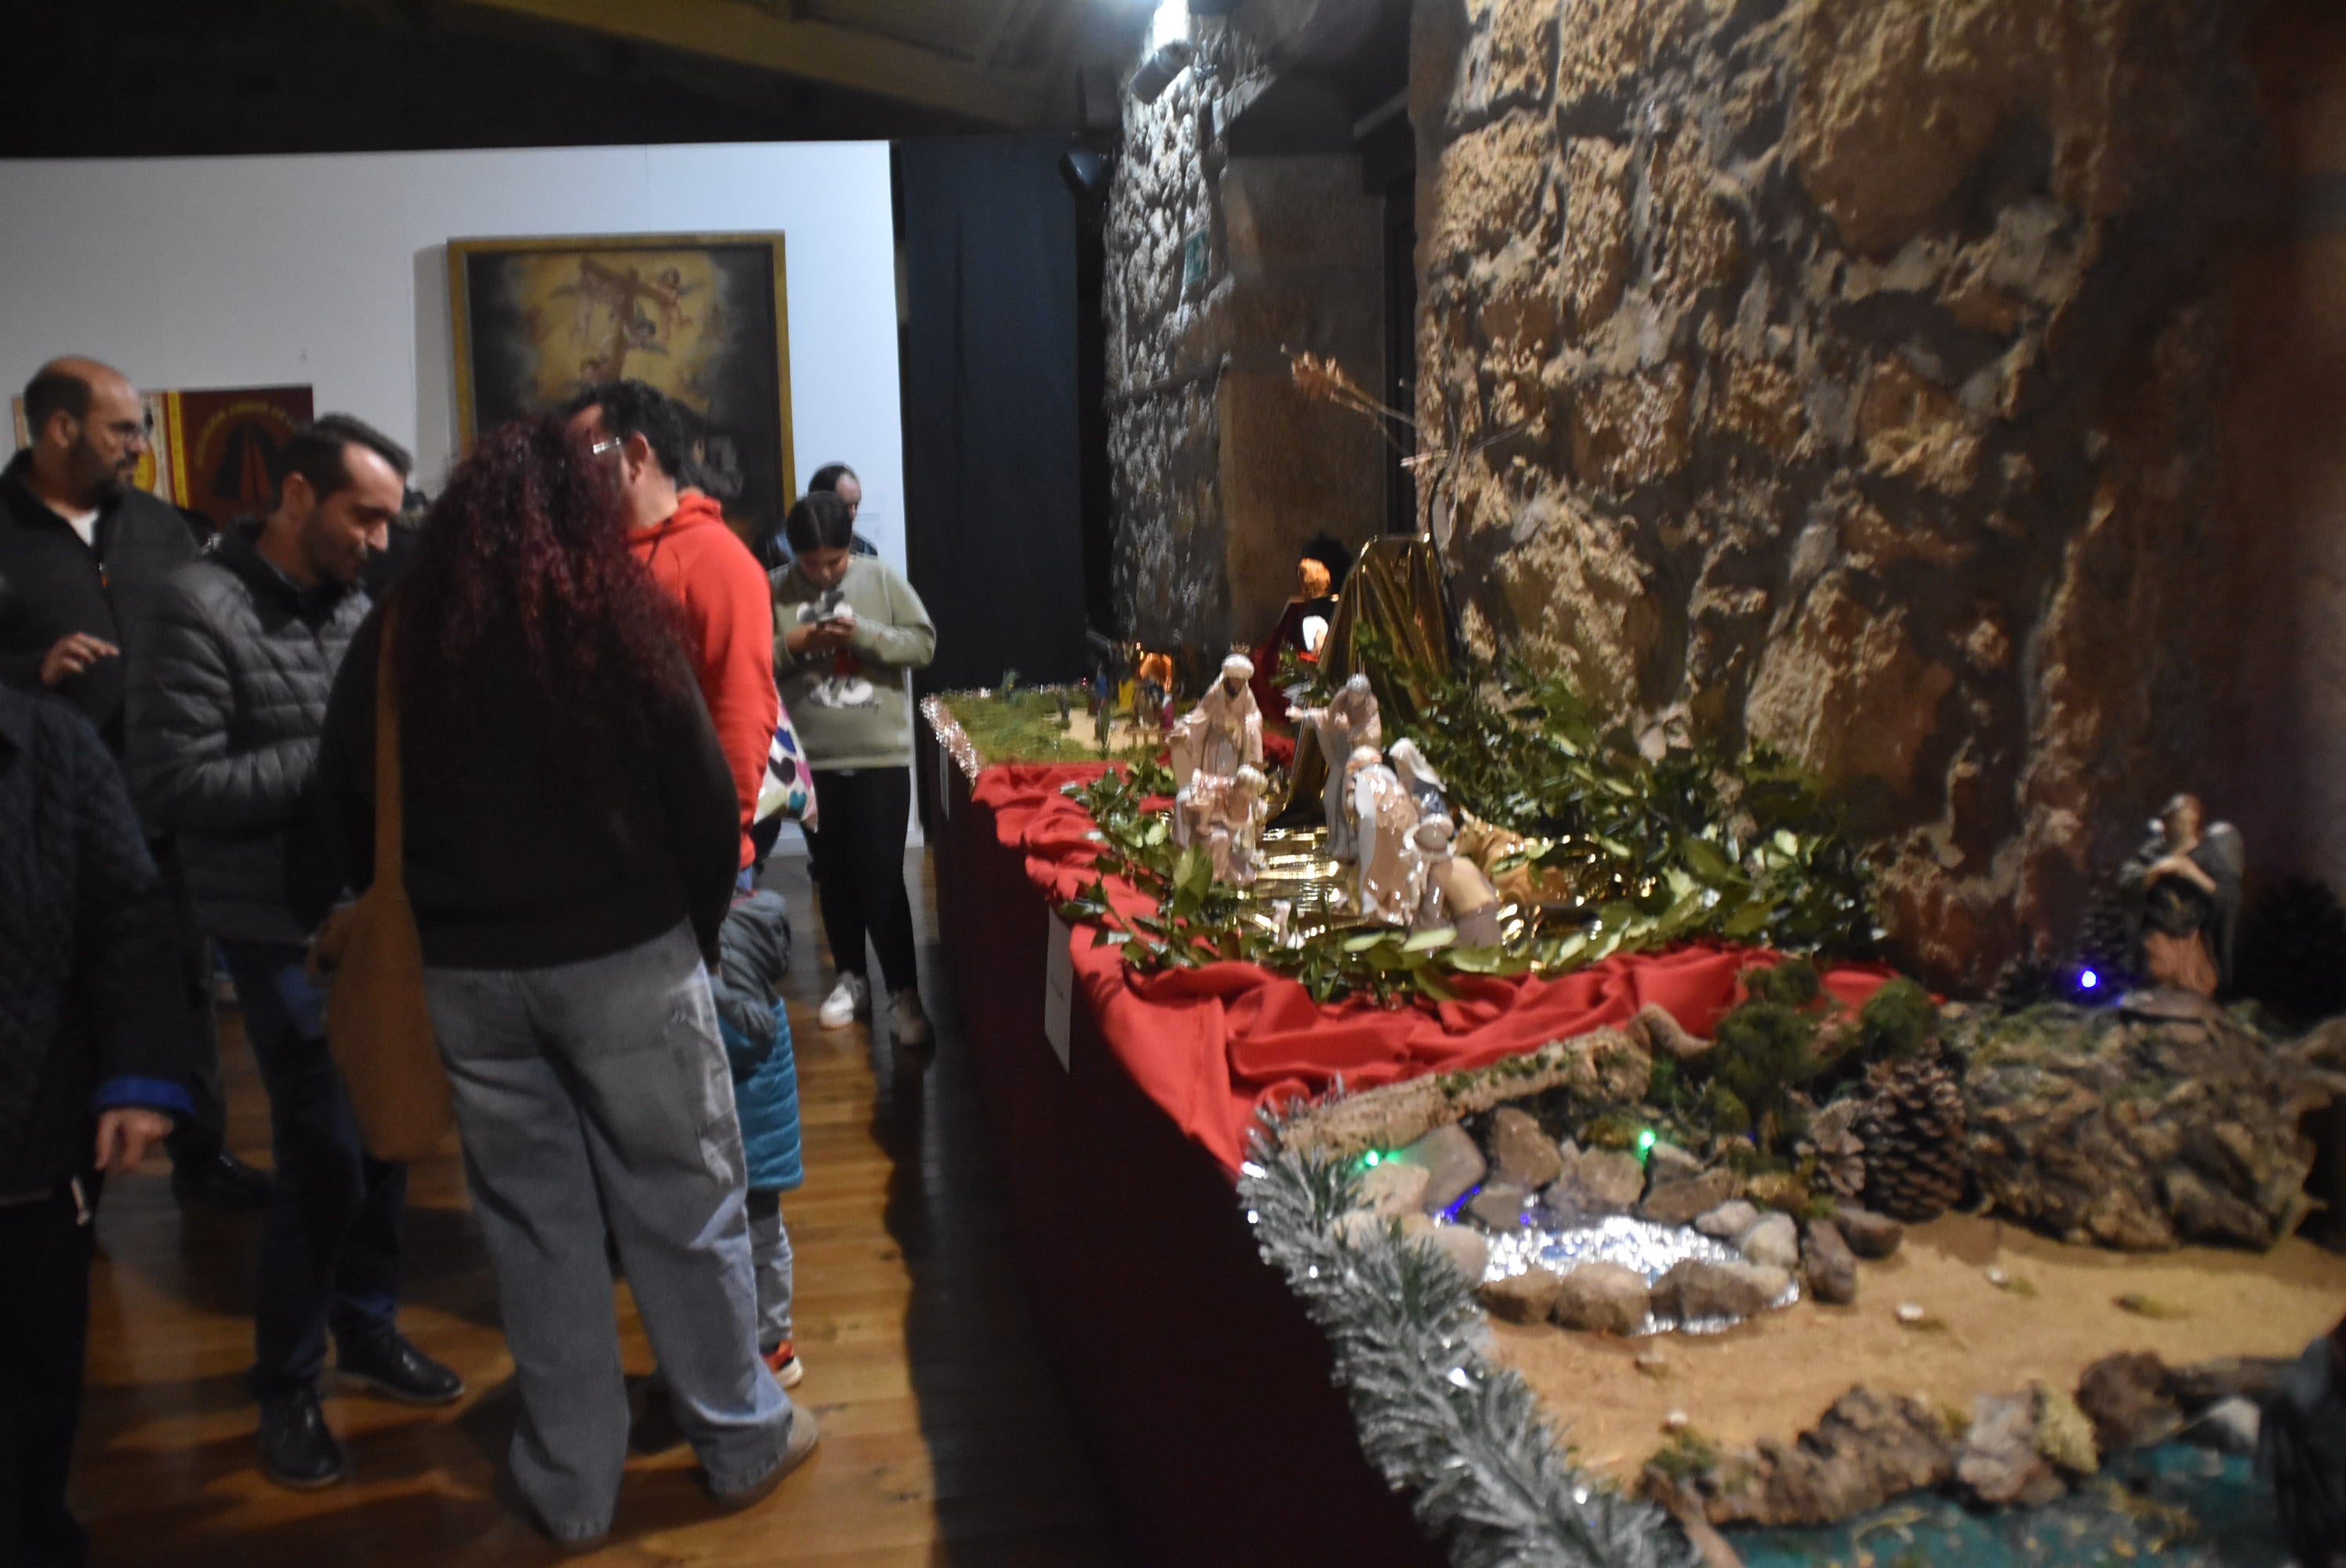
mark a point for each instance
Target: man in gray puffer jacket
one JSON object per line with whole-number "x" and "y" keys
{"x": 227, "y": 698}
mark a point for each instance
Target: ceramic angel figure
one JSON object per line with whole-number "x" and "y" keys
{"x": 1349, "y": 722}
{"x": 1457, "y": 894}
{"x": 1391, "y": 874}
{"x": 1224, "y": 731}
{"x": 1417, "y": 776}
{"x": 2187, "y": 880}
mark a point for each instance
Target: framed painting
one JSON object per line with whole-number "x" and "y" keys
{"x": 702, "y": 317}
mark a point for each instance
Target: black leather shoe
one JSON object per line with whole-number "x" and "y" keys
{"x": 221, "y": 1179}
{"x": 297, "y": 1448}
{"x": 396, "y": 1370}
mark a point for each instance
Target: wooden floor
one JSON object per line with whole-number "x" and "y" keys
{"x": 945, "y": 1440}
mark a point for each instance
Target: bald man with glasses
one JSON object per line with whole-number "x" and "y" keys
{"x": 83, "y": 552}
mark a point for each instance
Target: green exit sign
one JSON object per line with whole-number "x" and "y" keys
{"x": 1194, "y": 254}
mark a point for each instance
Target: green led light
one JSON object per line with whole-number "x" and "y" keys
{"x": 1371, "y": 1159}
{"x": 1646, "y": 1141}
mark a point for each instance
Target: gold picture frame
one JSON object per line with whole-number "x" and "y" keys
{"x": 703, "y": 317}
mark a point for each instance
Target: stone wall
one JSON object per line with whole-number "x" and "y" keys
{"x": 2286, "y": 430}
{"x": 1849, "y": 374}
{"x": 1221, "y": 470}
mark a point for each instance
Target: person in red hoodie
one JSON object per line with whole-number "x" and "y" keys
{"x": 682, "y": 535}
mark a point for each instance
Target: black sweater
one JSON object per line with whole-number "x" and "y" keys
{"x": 514, "y": 860}
{"x": 51, "y": 584}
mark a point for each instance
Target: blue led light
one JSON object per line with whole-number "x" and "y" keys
{"x": 2088, "y": 980}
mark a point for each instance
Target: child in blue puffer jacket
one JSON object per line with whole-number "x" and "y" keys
{"x": 753, "y": 953}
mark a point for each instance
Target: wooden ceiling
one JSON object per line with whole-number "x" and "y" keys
{"x": 1007, "y": 62}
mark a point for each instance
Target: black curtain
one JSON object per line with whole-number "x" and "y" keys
{"x": 993, "y": 465}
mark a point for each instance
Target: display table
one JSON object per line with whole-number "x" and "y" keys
{"x": 1120, "y": 1104}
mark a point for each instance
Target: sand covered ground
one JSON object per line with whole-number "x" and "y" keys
{"x": 1774, "y": 1376}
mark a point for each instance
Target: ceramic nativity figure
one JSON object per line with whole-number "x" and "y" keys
{"x": 1224, "y": 731}
{"x": 2186, "y": 884}
{"x": 1417, "y": 776}
{"x": 1230, "y": 819}
{"x": 1349, "y": 722}
{"x": 1457, "y": 894}
{"x": 1391, "y": 874}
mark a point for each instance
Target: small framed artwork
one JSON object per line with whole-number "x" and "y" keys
{"x": 702, "y": 317}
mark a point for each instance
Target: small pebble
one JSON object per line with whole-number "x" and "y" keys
{"x": 1912, "y": 1312}
{"x": 1652, "y": 1361}
{"x": 1677, "y": 1421}
{"x": 1998, "y": 1277}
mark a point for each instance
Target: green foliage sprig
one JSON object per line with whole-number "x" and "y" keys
{"x": 1693, "y": 843}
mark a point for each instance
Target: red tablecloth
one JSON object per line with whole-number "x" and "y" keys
{"x": 1212, "y": 1043}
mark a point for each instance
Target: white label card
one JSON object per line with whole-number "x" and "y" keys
{"x": 1058, "y": 984}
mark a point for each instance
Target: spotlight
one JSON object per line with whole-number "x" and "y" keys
{"x": 1084, "y": 171}
{"x": 1158, "y": 71}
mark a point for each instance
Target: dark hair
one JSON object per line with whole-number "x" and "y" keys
{"x": 52, "y": 392}
{"x": 525, "y": 543}
{"x": 819, "y": 521}
{"x": 632, "y": 408}
{"x": 318, "y": 452}
{"x": 826, "y": 478}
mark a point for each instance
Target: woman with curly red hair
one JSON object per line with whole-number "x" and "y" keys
{"x": 571, "y": 841}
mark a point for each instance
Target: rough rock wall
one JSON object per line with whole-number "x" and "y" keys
{"x": 2286, "y": 439}
{"x": 1221, "y": 470}
{"x": 1854, "y": 367}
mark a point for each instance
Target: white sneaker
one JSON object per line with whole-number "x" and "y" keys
{"x": 850, "y": 996}
{"x": 910, "y": 1024}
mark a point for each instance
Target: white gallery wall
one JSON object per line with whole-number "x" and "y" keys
{"x": 332, "y": 270}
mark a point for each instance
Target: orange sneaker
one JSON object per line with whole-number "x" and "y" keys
{"x": 784, "y": 1364}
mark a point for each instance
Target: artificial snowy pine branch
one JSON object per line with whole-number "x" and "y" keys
{"x": 1463, "y": 1436}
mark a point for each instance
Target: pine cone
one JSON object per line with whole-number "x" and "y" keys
{"x": 2292, "y": 951}
{"x": 1911, "y": 1125}
{"x": 2106, "y": 943}
{"x": 2026, "y": 981}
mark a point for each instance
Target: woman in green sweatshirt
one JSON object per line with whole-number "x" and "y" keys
{"x": 848, "y": 629}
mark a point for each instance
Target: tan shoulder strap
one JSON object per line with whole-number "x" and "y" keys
{"x": 390, "y": 843}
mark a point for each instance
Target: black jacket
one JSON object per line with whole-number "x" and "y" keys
{"x": 227, "y": 695}
{"x": 518, "y": 855}
{"x": 51, "y": 584}
{"x": 91, "y": 1007}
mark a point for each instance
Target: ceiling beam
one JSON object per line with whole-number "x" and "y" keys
{"x": 731, "y": 30}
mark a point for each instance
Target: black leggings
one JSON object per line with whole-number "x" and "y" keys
{"x": 857, "y": 857}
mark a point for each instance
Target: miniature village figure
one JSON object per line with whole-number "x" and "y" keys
{"x": 2185, "y": 882}
{"x": 1457, "y": 894}
{"x": 1150, "y": 709}
{"x": 1417, "y": 776}
{"x": 1224, "y": 731}
{"x": 1391, "y": 874}
{"x": 1349, "y": 722}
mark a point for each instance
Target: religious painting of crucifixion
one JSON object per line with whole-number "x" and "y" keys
{"x": 703, "y": 318}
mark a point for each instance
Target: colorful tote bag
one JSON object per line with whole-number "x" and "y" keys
{"x": 789, "y": 789}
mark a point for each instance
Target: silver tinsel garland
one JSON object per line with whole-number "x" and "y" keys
{"x": 1464, "y": 1437}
